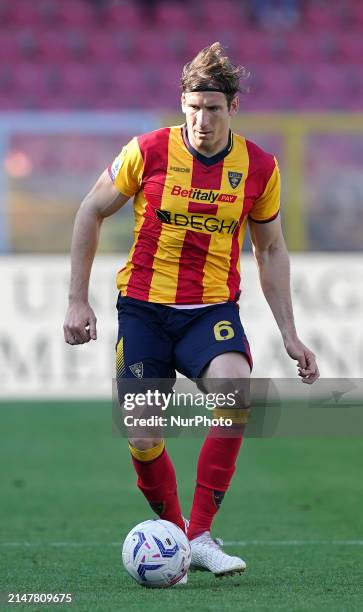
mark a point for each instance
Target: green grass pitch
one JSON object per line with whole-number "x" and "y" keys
{"x": 68, "y": 498}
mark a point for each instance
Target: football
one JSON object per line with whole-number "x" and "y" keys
{"x": 156, "y": 553}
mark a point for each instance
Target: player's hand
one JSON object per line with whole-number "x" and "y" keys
{"x": 80, "y": 323}
{"x": 306, "y": 363}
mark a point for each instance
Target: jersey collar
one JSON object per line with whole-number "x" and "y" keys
{"x": 207, "y": 161}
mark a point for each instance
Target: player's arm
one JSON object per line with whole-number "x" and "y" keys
{"x": 102, "y": 201}
{"x": 274, "y": 271}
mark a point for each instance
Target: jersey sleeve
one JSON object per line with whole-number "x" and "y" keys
{"x": 127, "y": 169}
{"x": 267, "y": 206}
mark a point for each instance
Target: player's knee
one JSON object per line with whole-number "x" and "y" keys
{"x": 232, "y": 394}
{"x": 144, "y": 443}
{"x": 228, "y": 365}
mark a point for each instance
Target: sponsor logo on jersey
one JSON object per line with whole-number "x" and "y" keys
{"x": 202, "y": 195}
{"x": 179, "y": 169}
{"x": 234, "y": 179}
{"x": 198, "y": 222}
{"x": 137, "y": 369}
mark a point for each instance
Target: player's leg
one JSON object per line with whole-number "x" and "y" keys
{"x": 143, "y": 352}
{"x": 218, "y": 455}
{"x": 216, "y": 466}
{"x": 216, "y": 349}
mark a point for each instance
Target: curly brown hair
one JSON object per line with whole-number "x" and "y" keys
{"x": 212, "y": 69}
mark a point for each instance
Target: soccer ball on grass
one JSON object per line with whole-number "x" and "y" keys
{"x": 156, "y": 553}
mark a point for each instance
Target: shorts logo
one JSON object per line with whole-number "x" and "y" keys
{"x": 234, "y": 179}
{"x": 137, "y": 369}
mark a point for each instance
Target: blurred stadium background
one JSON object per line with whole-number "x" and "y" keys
{"x": 78, "y": 79}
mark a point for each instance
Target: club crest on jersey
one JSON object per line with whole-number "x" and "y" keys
{"x": 137, "y": 369}
{"x": 234, "y": 179}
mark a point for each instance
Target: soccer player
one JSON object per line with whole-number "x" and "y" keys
{"x": 196, "y": 187}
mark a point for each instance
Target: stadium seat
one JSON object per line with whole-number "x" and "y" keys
{"x": 9, "y": 101}
{"x": 125, "y": 16}
{"x": 76, "y": 14}
{"x": 351, "y": 47}
{"x": 101, "y": 46}
{"x": 322, "y": 16}
{"x": 24, "y": 13}
{"x": 253, "y": 47}
{"x": 28, "y": 43}
{"x": 197, "y": 40}
{"x": 84, "y": 54}
{"x": 6, "y": 77}
{"x": 9, "y": 48}
{"x": 54, "y": 46}
{"x": 129, "y": 86}
{"x": 304, "y": 46}
{"x": 327, "y": 81}
{"x": 151, "y": 47}
{"x": 353, "y": 85}
{"x": 222, "y": 15}
{"x": 78, "y": 79}
{"x": 29, "y": 84}
{"x": 279, "y": 77}
{"x": 357, "y": 15}
{"x": 5, "y": 13}
{"x": 278, "y": 86}
{"x": 27, "y": 76}
{"x": 176, "y": 45}
{"x": 172, "y": 16}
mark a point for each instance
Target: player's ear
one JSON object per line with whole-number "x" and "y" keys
{"x": 234, "y": 106}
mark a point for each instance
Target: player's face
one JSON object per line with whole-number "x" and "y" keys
{"x": 208, "y": 120}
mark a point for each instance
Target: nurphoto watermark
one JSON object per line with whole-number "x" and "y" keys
{"x": 162, "y": 408}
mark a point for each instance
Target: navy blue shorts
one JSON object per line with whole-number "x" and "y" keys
{"x": 155, "y": 340}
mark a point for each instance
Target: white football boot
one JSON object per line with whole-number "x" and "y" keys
{"x": 207, "y": 554}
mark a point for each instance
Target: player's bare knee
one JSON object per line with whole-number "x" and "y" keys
{"x": 144, "y": 443}
{"x": 228, "y": 365}
{"x": 228, "y": 376}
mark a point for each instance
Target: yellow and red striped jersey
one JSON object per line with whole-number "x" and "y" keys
{"x": 190, "y": 214}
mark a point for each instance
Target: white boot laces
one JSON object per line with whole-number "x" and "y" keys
{"x": 212, "y": 542}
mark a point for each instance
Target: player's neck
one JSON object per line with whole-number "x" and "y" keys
{"x": 209, "y": 150}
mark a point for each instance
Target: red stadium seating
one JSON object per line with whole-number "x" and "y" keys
{"x": 253, "y": 47}
{"x": 29, "y": 85}
{"x": 79, "y": 79}
{"x": 303, "y": 46}
{"x": 151, "y": 47}
{"x": 197, "y": 40}
{"x": 77, "y": 14}
{"x": 24, "y": 13}
{"x": 54, "y": 46}
{"x": 328, "y": 84}
{"x": 351, "y": 47}
{"x": 9, "y": 48}
{"x": 60, "y": 54}
{"x": 172, "y": 15}
{"x": 322, "y": 16}
{"x": 221, "y": 15}
{"x": 129, "y": 86}
{"x": 278, "y": 79}
{"x": 357, "y": 14}
{"x": 124, "y": 16}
